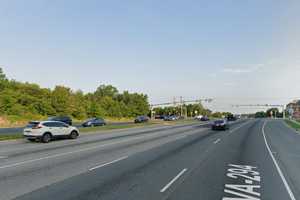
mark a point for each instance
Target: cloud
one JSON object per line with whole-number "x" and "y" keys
{"x": 242, "y": 70}
{"x": 229, "y": 84}
{"x": 213, "y": 75}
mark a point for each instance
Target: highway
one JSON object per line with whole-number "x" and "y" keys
{"x": 255, "y": 159}
{"x": 19, "y": 130}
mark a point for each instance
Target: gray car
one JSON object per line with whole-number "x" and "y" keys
{"x": 220, "y": 124}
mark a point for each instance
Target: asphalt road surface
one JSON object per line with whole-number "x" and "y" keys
{"x": 254, "y": 159}
{"x": 19, "y": 130}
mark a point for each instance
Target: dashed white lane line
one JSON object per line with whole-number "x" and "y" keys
{"x": 77, "y": 151}
{"x": 181, "y": 137}
{"x": 57, "y": 155}
{"x": 217, "y": 141}
{"x": 109, "y": 163}
{"x": 173, "y": 181}
{"x": 290, "y": 192}
{"x": 235, "y": 129}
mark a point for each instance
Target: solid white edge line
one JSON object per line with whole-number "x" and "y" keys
{"x": 217, "y": 141}
{"x": 173, "y": 181}
{"x": 109, "y": 163}
{"x": 290, "y": 192}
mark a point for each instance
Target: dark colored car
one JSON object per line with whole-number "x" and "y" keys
{"x": 171, "y": 118}
{"x": 159, "y": 116}
{"x": 64, "y": 119}
{"x": 220, "y": 124}
{"x": 141, "y": 119}
{"x": 94, "y": 122}
{"x": 231, "y": 118}
{"x": 204, "y": 119}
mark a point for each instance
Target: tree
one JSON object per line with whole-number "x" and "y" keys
{"x": 106, "y": 90}
{"x": 2, "y": 75}
{"x": 272, "y": 112}
{"x": 217, "y": 115}
{"x": 31, "y": 101}
{"x": 61, "y": 100}
{"x": 3, "y": 80}
{"x": 260, "y": 114}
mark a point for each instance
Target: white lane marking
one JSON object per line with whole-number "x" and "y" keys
{"x": 58, "y": 155}
{"x": 235, "y": 129}
{"x": 181, "y": 137}
{"x": 3, "y": 157}
{"x": 292, "y": 196}
{"x": 78, "y": 151}
{"x": 217, "y": 141}
{"x": 109, "y": 163}
{"x": 244, "y": 196}
{"x": 173, "y": 181}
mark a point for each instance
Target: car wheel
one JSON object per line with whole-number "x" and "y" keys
{"x": 46, "y": 138}
{"x": 73, "y": 135}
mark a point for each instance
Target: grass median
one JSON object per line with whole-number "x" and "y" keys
{"x": 11, "y": 137}
{"x": 293, "y": 124}
{"x": 133, "y": 125}
{"x": 91, "y": 130}
{"x": 113, "y": 127}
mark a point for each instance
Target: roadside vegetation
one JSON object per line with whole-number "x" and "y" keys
{"x": 293, "y": 124}
{"x": 10, "y": 137}
{"x": 272, "y": 112}
{"x": 21, "y": 102}
{"x": 191, "y": 110}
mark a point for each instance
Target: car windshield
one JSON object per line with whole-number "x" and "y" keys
{"x": 150, "y": 100}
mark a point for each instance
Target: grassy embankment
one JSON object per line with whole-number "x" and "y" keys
{"x": 293, "y": 124}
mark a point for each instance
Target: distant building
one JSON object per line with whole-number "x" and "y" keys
{"x": 294, "y": 108}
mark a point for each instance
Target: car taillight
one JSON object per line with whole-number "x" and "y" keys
{"x": 37, "y": 127}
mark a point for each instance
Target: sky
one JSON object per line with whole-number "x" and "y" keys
{"x": 236, "y": 52}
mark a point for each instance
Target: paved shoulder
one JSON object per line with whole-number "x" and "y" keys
{"x": 285, "y": 146}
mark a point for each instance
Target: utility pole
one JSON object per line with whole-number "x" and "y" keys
{"x": 181, "y": 106}
{"x": 174, "y": 101}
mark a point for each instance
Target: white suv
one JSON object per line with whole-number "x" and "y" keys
{"x": 47, "y": 130}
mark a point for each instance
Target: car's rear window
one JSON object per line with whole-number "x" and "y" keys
{"x": 32, "y": 124}
{"x": 219, "y": 121}
{"x": 54, "y": 124}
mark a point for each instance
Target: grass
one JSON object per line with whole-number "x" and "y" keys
{"x": 125, "y": 126}
{"x": 113, "y": 127}
{"x": 10, "y": 137}
{"x": 293, "y": 124}
{"x": 107, "y": 127}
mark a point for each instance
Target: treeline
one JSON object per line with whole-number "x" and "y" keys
{"x": 272, "y": 112}
{"x": 26, "y": 99}
{"x": 189, "y": 110}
